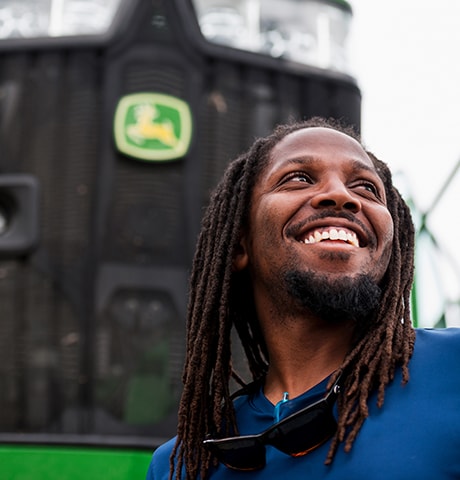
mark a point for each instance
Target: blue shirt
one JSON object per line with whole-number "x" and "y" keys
{"x": 415, "y": 435}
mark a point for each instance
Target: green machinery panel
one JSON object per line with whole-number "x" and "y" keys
{"x": 19, "y": 462}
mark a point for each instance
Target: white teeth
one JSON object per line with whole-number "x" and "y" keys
{"x": 333, "y": 234}
{"x": 351, "y": 237}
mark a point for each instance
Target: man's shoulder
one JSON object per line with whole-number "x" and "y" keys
{"x": 159, "y": 465}
{"x": 437, "y": 346}
{"x": 441, "y": 336}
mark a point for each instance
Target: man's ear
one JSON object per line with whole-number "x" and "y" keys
{"x": 241, "y": 258}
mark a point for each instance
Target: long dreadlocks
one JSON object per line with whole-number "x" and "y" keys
{"x": 220, "y": 299}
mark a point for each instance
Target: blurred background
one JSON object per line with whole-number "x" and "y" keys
{"x": 403, "y": 56}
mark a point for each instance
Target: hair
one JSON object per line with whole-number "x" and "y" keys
{"x": 220, "y": 299}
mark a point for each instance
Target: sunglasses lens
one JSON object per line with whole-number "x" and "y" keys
{"x": 303, "y": 433}
{"x": 295, "y": 435}
{"x": 239, "y": 453}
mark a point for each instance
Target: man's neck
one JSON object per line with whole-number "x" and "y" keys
{"x": 302, "y": 353}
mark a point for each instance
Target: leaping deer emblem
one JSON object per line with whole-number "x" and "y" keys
{"x": 147, "y": 128}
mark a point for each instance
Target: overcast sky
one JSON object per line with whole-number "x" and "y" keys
{"x": 405, "y": 56}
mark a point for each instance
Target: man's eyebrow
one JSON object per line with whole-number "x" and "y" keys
{"x": 360, "y": 165}
{"x": 302, "y": 159}
{"x": 356, "y": 164}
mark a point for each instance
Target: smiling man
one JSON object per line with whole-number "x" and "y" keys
{"x": 307, "y": 251}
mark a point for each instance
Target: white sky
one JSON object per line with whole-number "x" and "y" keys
{"x": 404, "y": 54}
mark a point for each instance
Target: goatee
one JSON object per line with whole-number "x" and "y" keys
{"x": 347, "y": 298}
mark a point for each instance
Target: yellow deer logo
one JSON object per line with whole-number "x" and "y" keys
{"x": 152, "y": 126}
{"x": 147, "y": 128}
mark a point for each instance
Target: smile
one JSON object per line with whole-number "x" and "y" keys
{"x": 332, "y": 233}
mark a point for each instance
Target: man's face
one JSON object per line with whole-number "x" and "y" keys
{"x": 319, "y": 206}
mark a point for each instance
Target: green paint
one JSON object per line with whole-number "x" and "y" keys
{"x": 414, "y": 303}
{"x": 20, "y": 462}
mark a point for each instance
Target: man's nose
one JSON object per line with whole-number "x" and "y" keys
{"x": 334, "y": 194}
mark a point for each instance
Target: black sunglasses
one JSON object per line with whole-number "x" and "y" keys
{"x": 296, "y": 435}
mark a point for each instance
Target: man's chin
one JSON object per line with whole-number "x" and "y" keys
{"x": 334, "y": 298}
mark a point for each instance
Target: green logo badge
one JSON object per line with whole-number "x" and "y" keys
{"x": 152, "y": 126}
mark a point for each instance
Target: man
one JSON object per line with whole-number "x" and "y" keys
{"x": 307, "y": 250}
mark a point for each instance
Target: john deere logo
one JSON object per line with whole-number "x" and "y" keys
{"x": 152, "y": 126}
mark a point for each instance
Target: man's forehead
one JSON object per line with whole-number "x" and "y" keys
{"x": 313, "y": 141}
{"x": 316, "y": 136}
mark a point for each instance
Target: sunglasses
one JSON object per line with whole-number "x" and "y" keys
{"x": 296, "y": 435}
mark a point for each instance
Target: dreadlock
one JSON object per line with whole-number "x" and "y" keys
{"x": 220, "y": 299}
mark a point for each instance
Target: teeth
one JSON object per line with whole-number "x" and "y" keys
{"x": 351, "y": 237}
{"x": 333, "y": 234}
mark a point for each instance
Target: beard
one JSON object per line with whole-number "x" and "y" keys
{"x": 337, "y": 300}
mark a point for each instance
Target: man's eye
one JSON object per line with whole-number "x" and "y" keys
{"x": 370, "y": 187}
{"x": 299, "y": 177}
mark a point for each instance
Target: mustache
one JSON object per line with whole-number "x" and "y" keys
{"x": 293, "y": 229}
